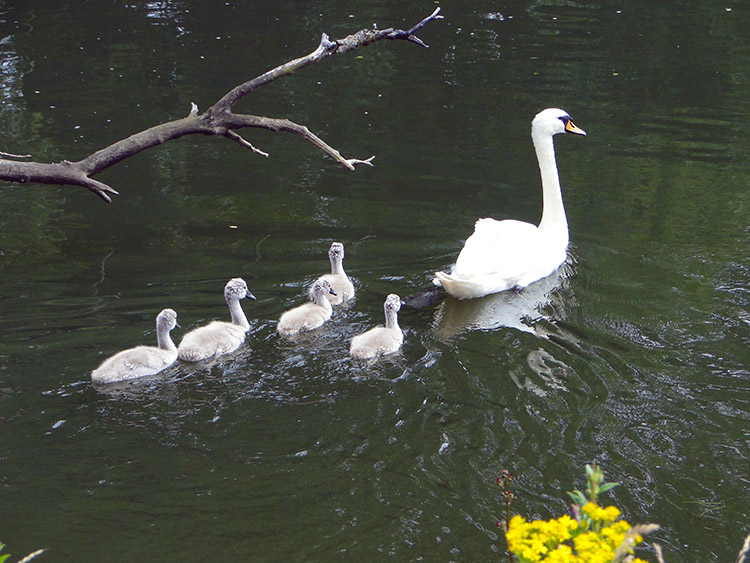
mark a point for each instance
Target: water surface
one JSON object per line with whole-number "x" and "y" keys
{"x": 634, "y": 356}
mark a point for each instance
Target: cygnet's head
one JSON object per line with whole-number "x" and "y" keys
{"x": 321, "y": 287}
{"x": 552, "y": 121}
{"x": 167, "y": 318}
{"x": 392, "y": 303}
{"x": 236, "y": 289}
{"x": 336, "y": 252}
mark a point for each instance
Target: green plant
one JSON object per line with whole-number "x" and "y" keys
{"x": 594, "y": 535}
{"x": 29, "y": 557}
{"x": 595, "y": 487}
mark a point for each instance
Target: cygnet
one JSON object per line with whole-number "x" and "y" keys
{"x": 219, "y": 337}
{"x": 310, "y": 315}
{"x": 380, "y": 341}
{"x": 340, "y": 282}
{"x": 141, "y": 360}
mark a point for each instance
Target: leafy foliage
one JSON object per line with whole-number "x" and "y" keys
{"x": 29, "y": 557}
{"x": 593, "y": 535}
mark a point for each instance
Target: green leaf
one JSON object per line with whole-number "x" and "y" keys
{"x": 578, "y": 497}
{"x": 607, "y": 486}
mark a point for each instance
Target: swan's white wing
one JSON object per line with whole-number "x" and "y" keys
{"x": 500, "y": 255}
{"x": 132, "y": 363}
{"x": 214, "y": 339}
{"x": 375, "y": 342}
{"x": 499, "y": 249}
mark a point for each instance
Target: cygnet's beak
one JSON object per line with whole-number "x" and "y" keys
{"x": 331, "y": 291}
{"x": 250, "y": 296}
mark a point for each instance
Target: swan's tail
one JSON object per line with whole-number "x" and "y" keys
{"x": 471, "y": 288}
{"x": 192, "y": 354}
{"x": 460, "y": 287}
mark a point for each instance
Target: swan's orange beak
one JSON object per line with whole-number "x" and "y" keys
{"x": 570, "y": 127}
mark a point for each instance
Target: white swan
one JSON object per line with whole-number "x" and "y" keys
{"x": 310, "y": 315}
{"x": 141, "y": 360}
{"x": 339, "y": 281}
{"x": 219, "y": 337}
{"x": 380, "y": 340}
{"x": 501, "y": 255}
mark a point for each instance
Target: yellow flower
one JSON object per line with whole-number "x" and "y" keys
{"x": 612, "y": 513}
{"x": 541, "y": 541}
{"x": 599, "y": 514}
{"x": 533, "y": 541}
{"x": 561, "y": 554}
{"x": 616, "y": 532}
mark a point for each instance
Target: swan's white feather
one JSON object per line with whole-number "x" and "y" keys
{"x": 381, "y": 340}
{"x": 502, "y": 255}
{"x": 341, "y": 285}
{"x": 378, "y": 341}
{"x": 219, "y": 337}
{"x": 214, "y": 339}
{"x": 133, "y": 363}
{"x": 141, "y": 360}
{"x": 310, "y": 315}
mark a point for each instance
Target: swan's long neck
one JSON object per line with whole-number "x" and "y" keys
{"x": 337, "y": 266}
{"x": 163, "y": 339}
{"x": 238, "y": 315}
{"x": 391, "y": 319}
{"x": 553, "y": 214}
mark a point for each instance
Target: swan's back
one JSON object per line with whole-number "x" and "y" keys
{"x": 141, "y": 360}
{"x": 380, "y": 341}
{"x": 219, "y": 337}
{"x": 214, "y": 339}
{"x": 310, "y": 315}
{"x": 501, "y": 248}
{"x": 303, "y": 318}
{"x": 133, "y": 363}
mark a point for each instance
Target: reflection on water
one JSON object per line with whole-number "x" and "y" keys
{"x": 522, "y": 310}
{"x": 544, "y": 365}
{"x": 535, "y": 310}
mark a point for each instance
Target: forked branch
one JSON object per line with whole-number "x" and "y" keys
{"x": 218, "y": 120}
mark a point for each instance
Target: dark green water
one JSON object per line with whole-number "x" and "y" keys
{"x": 636, "y": 358}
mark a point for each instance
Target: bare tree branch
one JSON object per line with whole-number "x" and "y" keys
{"x": 236, "y": 137}
{"x": 217, "y": 120}
{"x": 237, "y": 121}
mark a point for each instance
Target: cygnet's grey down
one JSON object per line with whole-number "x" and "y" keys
{"x": 219, "y": 337}
{"x": 380, "y": 341}
{"x": 310, "y": 315}
{"x": 340, "y": 282}
{"x": 141, "y": 360}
